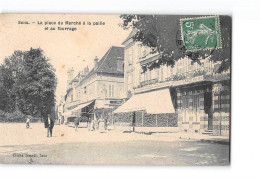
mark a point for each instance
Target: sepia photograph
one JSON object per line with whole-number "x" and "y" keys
{"x": 115, "y": 89}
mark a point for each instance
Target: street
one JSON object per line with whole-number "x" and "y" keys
{"x": 31, "y": 146}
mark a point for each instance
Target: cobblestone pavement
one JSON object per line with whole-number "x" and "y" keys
{"x": 31, "y": 146}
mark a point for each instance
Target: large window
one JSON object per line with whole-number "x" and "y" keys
{"x": 139, "y": 51}
{"x": 147, "y": 75}
{"x": 130, "y": 79}
{"x": 144, "y": 51}
{"x": 105, "y": 90}
{"x": 141, "y": 76}
{"x": 111, "y": 90}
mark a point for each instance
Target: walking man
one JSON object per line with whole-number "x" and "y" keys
{"x": 88, "y": 122}
{"x": 27, "y": 122}
{"x": 133, "y": 121}
{"x": 49, "y": 125}
{"x": 76, "y": 123}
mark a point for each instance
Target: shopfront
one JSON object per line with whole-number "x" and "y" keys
{"x": 204, "y": 107}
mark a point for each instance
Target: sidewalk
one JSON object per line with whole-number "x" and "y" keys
{"x": 167, "y": 132}
{"x": 206, "y": 138}
{"x": 173, "y": 132}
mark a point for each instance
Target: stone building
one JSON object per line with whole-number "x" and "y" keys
{"x": 199, "y": 96}
{"x": 99, "y": 90}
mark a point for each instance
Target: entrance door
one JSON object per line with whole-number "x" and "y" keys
{"x": 191, "y": 108}
{"x": 196, "y": 108}
{"x": 208, "y": 108}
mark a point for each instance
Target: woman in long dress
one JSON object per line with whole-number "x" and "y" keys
{"x": 101, "y": 124}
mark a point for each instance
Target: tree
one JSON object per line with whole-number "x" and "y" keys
{"x": 30, "y": 82}
{"x": 9, "y": 72}
{"x": 162, "y": 34}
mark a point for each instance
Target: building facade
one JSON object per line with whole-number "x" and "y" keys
{"x": 99, "y": 90}
{"x": 200, "y": 95}
{"x": 60, "y": 105}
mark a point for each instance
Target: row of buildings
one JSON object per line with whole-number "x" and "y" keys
{"x": 194, "y": 98}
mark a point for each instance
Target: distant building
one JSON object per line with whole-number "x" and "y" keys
{"x": 61, "y": 110}
{"x": 99, "y": 90}
{"x": 199, "y": 97}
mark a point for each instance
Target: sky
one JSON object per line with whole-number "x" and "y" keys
{"x": 65, "y": 48}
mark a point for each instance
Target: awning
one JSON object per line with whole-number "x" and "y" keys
{"x": 154, "y": 102}
{"x": 69, "y": 113}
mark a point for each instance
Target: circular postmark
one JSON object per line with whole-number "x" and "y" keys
{"x": 194, "y": 55}
{"x": 198, "y": 37}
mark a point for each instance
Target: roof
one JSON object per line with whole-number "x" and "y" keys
{"x": 108, "y": 63}
{"x": 132, "y": 33}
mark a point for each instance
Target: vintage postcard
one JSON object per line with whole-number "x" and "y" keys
{"x": 124, "y": 89}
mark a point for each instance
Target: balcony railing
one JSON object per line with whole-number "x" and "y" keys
{"x": 186, "y": 78}
{"x": 148, "y": 82}
{"x": 150, "y": 58}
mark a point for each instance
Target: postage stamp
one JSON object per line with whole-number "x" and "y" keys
{"x": 201, "y": 33}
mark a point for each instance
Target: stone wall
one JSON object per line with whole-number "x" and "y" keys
{"x": 221, "y": 108}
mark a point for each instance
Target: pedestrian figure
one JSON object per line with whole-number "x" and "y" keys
{"x": 90, "y": 124}
{"x": 106, "y": 122}
{"x": 133, "y": 121}
{"x": 27, "y": 122}
{"x": 95, "y": 124}
{"x": 76, "y": 123}
{"x": 101, "y": 123}
{"x": 49, "y": 126}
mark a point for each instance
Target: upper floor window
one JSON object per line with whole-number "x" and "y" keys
{"x": 148, "y": 75}
{"x": 130, "y": 56}
{"x": 105, "y": 89}
{"x": 144, "y": 51}
{"x": 139, "y": 51}
{"x": 130, "y": 79}
{"x": 171, "y": 71}
{"x": 111, "y": 90}
{"x": 141, "y": 76}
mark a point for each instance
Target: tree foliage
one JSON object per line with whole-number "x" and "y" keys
{"x": 28, "y": 83}
{"x": 162, "y": 34}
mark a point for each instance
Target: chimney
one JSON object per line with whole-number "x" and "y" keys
{"x": 86, "y": 70}
{"x": 95, "y": 63}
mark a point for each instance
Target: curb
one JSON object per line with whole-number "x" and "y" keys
{"x": 223, "y": 142}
